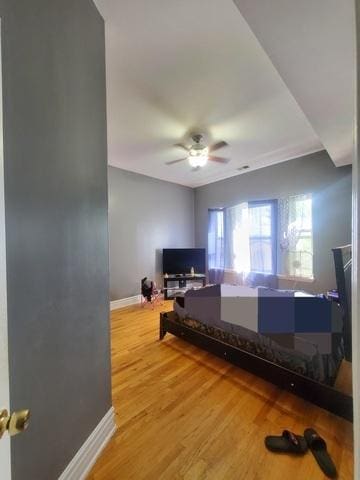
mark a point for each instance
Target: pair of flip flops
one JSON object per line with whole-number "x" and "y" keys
{"x": 288, "y": 442}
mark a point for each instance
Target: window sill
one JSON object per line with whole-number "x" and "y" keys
{"x": 296, "y": 279}
{"x": 280, "y": 276}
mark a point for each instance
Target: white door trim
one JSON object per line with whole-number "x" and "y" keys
{"x": 355, "y": 308}
{"x": 5, "y": 460}
{"x": 355, "y": 318}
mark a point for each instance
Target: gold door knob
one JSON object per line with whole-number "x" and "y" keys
{"x": 19, "y": 421}
{"x": 15, "y": 423}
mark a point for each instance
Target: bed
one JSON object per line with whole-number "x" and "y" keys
{"x": 290, "y": 338}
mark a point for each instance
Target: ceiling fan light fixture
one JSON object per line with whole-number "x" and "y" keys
{"x": 198, "y": 150}
{"x": 198, "y": 160}
{"x": 198, "y": 155}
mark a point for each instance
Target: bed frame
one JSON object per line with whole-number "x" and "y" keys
{"x": 320, "y": 394}
{"x": 343, "y": 264}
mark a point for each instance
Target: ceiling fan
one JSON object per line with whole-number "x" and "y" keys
{"x": 199, "y": 153}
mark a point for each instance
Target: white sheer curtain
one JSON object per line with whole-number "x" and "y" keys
{"x": 237, "y": 236}
{"x": 262, "y": 237}
{"x": 296, "y": 237}
{"x": 216, "y": 254}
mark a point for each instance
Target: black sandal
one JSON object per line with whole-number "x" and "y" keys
{"x": 288, "y": 442}
{"x": 317, "y": 445}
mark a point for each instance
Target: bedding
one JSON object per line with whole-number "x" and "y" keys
{"x": 296, "y": 330}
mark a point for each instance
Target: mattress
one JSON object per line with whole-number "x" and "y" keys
{"x": 296, "y": 330}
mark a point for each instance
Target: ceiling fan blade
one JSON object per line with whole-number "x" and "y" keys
{"x": 219, "y": 159}
{"x": 184, "y": 147}
{"x": 218, "y": 145}
{"x": 176, "y": 161}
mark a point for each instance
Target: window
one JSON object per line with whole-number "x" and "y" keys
{"x": 237, "y": 245}
{"x": 263, "y": 244}
{"x": 246, "y": 238}
{"x": 251, "y": 237}
{"x": 297, "y": 236}
{"x": 216, "y": 239}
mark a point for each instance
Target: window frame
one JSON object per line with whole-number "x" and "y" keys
{"x": 274, "y": 232}
{"x": 209, "y": 255}
{"x": 306, "y": 233}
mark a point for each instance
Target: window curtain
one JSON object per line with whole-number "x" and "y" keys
{"x": 237, "y": 239}
{"x": 216, "y": 253}
{"x": 296, "y": 244}
{"x": 263, "y": 239}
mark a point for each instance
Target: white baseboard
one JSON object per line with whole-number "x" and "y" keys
{"x": 125, "y": 302}
{"x": 81, "y": 464}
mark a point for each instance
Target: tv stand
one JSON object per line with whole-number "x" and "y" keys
{"x": 182, "y": 279}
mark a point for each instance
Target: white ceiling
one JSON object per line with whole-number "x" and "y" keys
{"x": 177, "y": 65}
{"x": 312, "y": 45}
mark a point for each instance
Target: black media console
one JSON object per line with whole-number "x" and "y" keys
{"x": 182, "y": 281}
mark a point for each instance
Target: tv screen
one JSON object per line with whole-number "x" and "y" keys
{"x": 180, "y": 260}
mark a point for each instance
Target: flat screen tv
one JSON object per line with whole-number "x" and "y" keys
{"x": 178, "y": 261}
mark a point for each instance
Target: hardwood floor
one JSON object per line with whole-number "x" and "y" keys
{"x": 185, "y": 414}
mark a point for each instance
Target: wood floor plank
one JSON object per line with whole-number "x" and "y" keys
{"x": 183, "y": 414}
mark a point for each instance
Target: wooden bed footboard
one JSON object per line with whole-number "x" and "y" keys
{"x": 320, "y": 394}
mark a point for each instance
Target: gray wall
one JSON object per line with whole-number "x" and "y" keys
{"x": 56, "y": 225}
{"x": 331, "y": 189}
{"x": 145, "y": 216}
